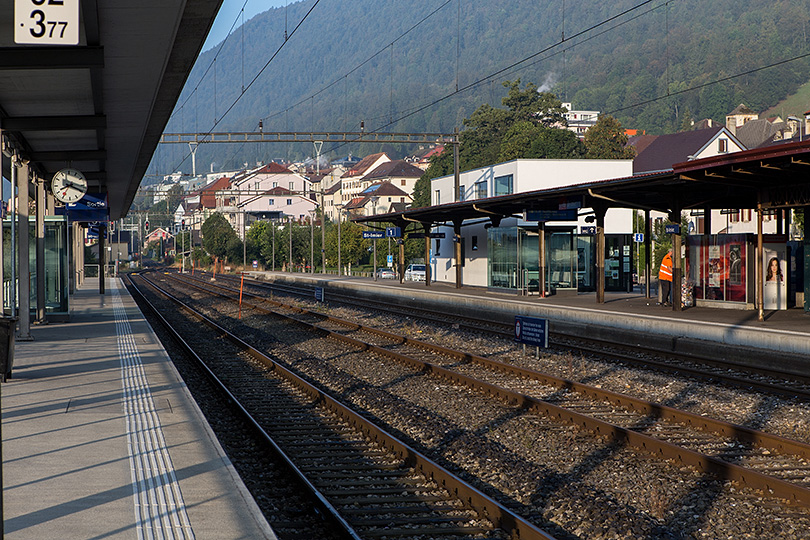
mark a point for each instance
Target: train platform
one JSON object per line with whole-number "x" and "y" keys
{"x": 782, "y": 339}
{"x": 101, "y": 439}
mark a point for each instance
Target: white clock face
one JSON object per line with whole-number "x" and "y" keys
{"x": 69, "y": 185}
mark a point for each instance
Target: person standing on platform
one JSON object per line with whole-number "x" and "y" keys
{"x": 665, "y": 278}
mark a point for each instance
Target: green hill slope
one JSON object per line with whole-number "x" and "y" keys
{"x": 396, "y": 65}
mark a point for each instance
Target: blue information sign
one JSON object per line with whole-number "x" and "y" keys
{"x": 531, "y": 331}
{"x": 638, "y": 237}
{"x": 373, "y": 234}
{"x": 393, "y": 232}
{"x": 550, "y": 215}
{"x": 319, "y": 294}
{"x": 672, "y": 228}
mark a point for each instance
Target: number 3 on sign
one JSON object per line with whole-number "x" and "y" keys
{"x": 49, "y": 22}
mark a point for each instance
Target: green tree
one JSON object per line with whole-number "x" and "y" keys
{"x": 492, "y": 135}
{"x": 253, "y": 239}
{"x": 440, "y": 165}
{"x": 530, "y": 104}
{"x": 352, "y": 245}
{"x": 607, "y": 140}
{"x": 219, "y": 239}
{"x": 556, "y": 143}
{"x": 518, "y": 139}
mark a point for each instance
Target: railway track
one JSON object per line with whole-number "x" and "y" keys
{"x": 368, "y": 482}
{"x": 732, "y": 374}
{"x": 771, "y": 464}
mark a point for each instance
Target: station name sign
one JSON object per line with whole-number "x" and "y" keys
{"x": 46, "y": 22}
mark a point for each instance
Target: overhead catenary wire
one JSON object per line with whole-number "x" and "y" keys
{"x": 576, "y": 39}
{"x": 256, "y": 77}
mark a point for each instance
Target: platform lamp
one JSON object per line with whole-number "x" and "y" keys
{"x": 340, "y": 218}
{"x": 312, "y": 214}
{"x": 374, "y": 200}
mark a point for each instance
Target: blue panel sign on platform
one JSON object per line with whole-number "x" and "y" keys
{"x": 531, "y": 331}
{"x": 672, "y": 228}
{"x": 638, "y": 237}
{"x": 373, "y": 234}
{"x": 319, "y": 294}
{"x": 550, "y": 215}
{"x": 393, "y": 232}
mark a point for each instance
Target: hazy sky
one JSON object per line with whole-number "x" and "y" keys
{"x": 230, "y": 11}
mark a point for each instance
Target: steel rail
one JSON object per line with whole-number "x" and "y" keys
{"x": 502, "y": 517}
{"x": 329, "y": 511}
{"x": 743, "y": 476}
{"x": 558, "y": 338}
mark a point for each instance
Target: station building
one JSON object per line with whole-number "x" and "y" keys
{"x": 491, "y": 236}
{"x": 504, "y": 256}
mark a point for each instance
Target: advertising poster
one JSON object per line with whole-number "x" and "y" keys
{"x": 775, "y": 276}
{"x": 716, "y": 266}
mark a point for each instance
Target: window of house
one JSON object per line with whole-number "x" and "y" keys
{"x": 723, "y": 145}
{"x": 275, "y": 184}
{"x": 437, "y": 197}
{"x": 292, "y": 186}
{"x": 503, "y": 185}
{"x": 402, "y": 199}
{"x": 403, "y": 182}
{"x": 271, "y": 202}
{"x": 289, "y": 202}
{"x": 481, "y": 190}
{"x": 461, "y": 191}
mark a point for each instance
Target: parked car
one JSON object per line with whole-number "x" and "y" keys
{"x": 385, "y": 273}
{"x": 415, "y": 272}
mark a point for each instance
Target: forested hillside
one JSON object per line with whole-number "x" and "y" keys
{"x": 396, "y": 65}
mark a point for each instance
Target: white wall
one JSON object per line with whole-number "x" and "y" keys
{"x": 527, "y": 175}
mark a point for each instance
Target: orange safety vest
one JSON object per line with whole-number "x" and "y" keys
{"x": 665, "y": 273}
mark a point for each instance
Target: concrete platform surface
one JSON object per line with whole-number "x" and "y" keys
{"x": 101, "y": 439}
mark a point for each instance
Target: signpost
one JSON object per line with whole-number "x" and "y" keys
{"x": 531, "y": 331}
{"x": 46, "y": 22}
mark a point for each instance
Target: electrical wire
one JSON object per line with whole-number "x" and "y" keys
{"x": 255, "y": 78}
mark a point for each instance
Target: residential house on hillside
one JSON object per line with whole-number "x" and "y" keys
{"x": 761, "y": 131}
{"x": 663, "y": 151}
{"x": 377, "y": 199}
{"x": 201, "y": 205}
{"x": 739, "y": 117}
{"x": 399, "y": 173}
{"x": 422, "y": 156}
{"x": 332, "y": 201}
{"x": 269, "y": 192}
{"x": 352, "y": 180}
{"x": 579, "y": 121}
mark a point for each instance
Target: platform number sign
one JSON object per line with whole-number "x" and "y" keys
{"x": 50, "y": 22}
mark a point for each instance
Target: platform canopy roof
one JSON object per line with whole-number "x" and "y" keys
{"x": 775, "y": 177}
{"x": 101, "y": 106}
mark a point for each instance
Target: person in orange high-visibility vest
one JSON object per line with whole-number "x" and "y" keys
{"x": 665, "y": 278}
